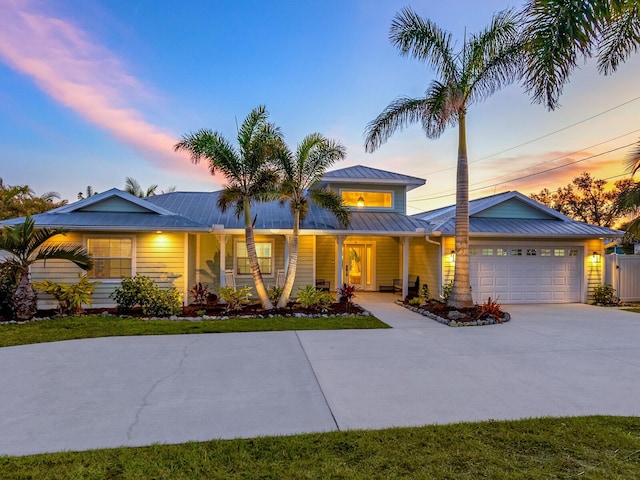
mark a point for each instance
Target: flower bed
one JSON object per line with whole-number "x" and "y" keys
{"x": 454, "y": 317}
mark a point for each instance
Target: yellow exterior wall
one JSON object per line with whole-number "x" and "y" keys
{"x": 423, "y": 261}
{"x": 325, "y": 259}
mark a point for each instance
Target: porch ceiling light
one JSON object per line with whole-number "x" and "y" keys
{"x": 360, "y": 201}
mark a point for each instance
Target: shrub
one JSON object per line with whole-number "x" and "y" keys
{"x": 143, "y": 292}
{"x": 424, "y": 292}
{"x": 446, "y": 291}
{"x": 70, "y": 297}
{"x": 310, "y": 297}
{"x": 133, "y": 291}
{"x": 346, "y": 293}
{"x": 490, "y": 308}
{"x": 162, "y": 302}
{"x": 235, "y": 298}
{"x": 415, "y": 301}
{"x": 605, "y": 295}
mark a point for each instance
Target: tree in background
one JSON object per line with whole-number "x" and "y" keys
{"x": 486, "y": 62}
{"x": 249, "y": 173}
{"x": 628, "y": 202}
{"x": 133, "y": 187}
{"x": 301, "y": 171}
{"x": 89, "y": 192}
{"x": 586, "y": 199}
{"x": 20, "y": 201}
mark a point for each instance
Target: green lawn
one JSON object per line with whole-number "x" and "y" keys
{"x": 634, "y": 310}
{"x": 69, "y": 328}
{"x": 579, "y": 447}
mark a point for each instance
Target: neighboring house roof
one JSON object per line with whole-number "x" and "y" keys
{"x": 513, "y": 214}
{"x": 362, "y": 174}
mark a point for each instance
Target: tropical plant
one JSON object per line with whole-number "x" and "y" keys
{"x": 274, "y": 293}
{"x": 20, "y": 200}
{"x": 70, "y": 296}
{"x": 89, "y": 192}
{"x": 26, "y": 245}
{"x": 561, "y": 32}
{"x": 486, "y": 62}
{"x": 490, "y": 308}
{"x": 447, "y": 288}
{"x": 312, "y": 298}
{"x": 424, "y": 292}
{"x": 248, "y": 172}
{"x": 301, "y": 172}
{"x": 162, "y": 303}
{"x": 415, "y": 301}
{"x": 199, "y": 293}
{"x": 9, "y": 276}
{"x": 628, "y": 202}
{"x": 235, "y": 298}
{"x": 346, "y": 293}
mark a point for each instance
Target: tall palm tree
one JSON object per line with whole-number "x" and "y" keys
{"x": 133, "y": 187}
{"x": 301, "y": 173}
{"x": 25, "y": 243}
{"x": 561, "y": 32}
{"x": 247, "y": 170}
{"x": 487, "y": 61}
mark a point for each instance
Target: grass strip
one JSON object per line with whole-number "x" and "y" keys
{"x": 76, "y": 327}
{"x": 595, "y": 447}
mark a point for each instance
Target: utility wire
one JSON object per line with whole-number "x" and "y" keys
{"x": 531, "y": 175}
{"x": 545, "y": 162}
{"x": 541, "y": 137}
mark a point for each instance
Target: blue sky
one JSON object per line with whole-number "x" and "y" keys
{"x": 94, "y": 91}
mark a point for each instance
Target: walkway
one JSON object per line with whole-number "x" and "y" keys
{"x": 549, "y": 360}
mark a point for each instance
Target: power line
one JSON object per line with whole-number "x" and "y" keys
{"x": 531, "y": 175}
{"x": 547, "y": 161}
{"x": 541, "y": 137}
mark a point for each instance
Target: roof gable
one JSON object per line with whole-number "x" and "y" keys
{"x": 113, "y": 201}
{"x": 362, "y": 174}
{"x": 514, "y": 208}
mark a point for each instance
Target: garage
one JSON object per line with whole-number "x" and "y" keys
{"x": 526, "y": 273}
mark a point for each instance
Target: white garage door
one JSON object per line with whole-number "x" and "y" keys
{"x": 526, "y": 274}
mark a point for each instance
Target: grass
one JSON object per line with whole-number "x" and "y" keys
{"x": 634, "y": 310}
{"x": 579, "y": 447}
{"x": 69, "y": 328}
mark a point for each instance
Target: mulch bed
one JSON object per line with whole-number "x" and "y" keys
{"x": 456, "y": 317}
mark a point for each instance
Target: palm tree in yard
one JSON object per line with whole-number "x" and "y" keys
{"x": 486, "y": 62}
{"x": 248, "y": 173}
{"x": 300, "y": 174}
{"x": 26, "y": 244}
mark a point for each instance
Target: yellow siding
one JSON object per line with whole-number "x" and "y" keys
{"x": 594, "y": 267}
{"x": 423, "y": 261}
{"x": 447, "y": 265}
{"x": 304, "y": 269}
{"x": 388, "y": 260}
{"x": 326, "y": 259}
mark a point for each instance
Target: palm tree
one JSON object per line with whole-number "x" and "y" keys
{"x": 301, "y": 172}
{"x": 133, "y": 187}
{"x": 562, "y": 32}
{"x": 629, "y": 201}
{"x": 248, "y": 173}
{"x": 26, "y": 246}
{"x": 488, "y": 61}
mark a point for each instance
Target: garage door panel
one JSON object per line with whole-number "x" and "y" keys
{"x": 527, "y": 278}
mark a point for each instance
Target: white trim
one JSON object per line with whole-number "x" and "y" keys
{"x": 185, "y": 257}
{"x": 235, "y": 258}
{"x": 368, "y": 190}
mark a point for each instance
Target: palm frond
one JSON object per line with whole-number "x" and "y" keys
{"x": 424, "y": 40}
{"x": 332, "y": 202}
{"x": 76, "y": 254}
{"x": 620, "y": 38}
{"x": 395, "y": 117}
{"x": 231, "y": 196}
{"x": 633, "y": 160}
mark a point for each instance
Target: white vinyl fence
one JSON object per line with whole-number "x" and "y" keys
{"x": 623, "y": 273}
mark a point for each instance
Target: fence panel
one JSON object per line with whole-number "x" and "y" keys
{"x": 623, "y": 273}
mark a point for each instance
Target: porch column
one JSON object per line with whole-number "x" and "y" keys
{"x": 405, "y": 267}
{"x": 340, "y": 273}
{"x": 222, "y": 239}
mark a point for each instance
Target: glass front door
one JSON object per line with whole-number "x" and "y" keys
{"x": 358, "y": 264}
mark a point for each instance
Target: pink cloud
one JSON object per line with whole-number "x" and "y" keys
{"x": 65, "y": 63}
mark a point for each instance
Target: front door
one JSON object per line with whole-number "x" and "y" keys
{"x": 358, "y": 264}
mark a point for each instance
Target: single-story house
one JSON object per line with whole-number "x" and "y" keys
{"x": 521, "y": 251}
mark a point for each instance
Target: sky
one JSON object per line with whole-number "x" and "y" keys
{"x": 94, "y": 91}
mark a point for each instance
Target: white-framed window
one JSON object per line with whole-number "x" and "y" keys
{"x": 487, "y": 252}
{"x": 573, "y": 252}
{"x": 502, "y": 252}
{"x": 112, "y": 257}
{"x": 367, "y": 198}
{"x": 516, "y": 252}
{"x": 473, "y": 251}
{"x": 532, "y": 252}
{"x": 545, "y": 252}
{"x": 264, "y": 250}
{"x": 558, "y": 252}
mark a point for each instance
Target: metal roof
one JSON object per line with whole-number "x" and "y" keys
{"x": 528, "y": 227}
{"x": 362, "y": 174}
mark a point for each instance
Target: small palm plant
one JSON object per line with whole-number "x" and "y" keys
{"x": 26, "y": 244}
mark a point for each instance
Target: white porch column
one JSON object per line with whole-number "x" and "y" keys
{"x": 222, "y": 239}
{"x": 405, "y": 267}
{"x": 340, "y": 273}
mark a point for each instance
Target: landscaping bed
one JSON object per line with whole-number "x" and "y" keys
{"x": 485, "y": 314}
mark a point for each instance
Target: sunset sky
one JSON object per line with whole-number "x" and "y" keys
{"x": 94, "y": 91}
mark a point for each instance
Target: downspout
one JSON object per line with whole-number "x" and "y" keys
{"x": 439, "y": 244}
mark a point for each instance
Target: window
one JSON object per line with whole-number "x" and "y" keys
{"x": 573, "y": 252}
{"x": 487, "y": 252}
{"x": 558, "y": 252}
{"x": 516, "y": 252}
{"x": 112, "y": 257}
{"x": 473, "y": 251}
{"x": 355, "y": 198}
{"x": 264, "y": 251}
{"x": 502, "y": 252}
{"x": 545, "y": 252}
{"x": 532, "y": 252}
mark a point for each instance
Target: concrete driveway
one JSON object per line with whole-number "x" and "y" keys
{"x": 549, "y": 360}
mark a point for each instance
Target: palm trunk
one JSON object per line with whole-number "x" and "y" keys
{"x": 292, "y": 263}
{"x": 253, "y": 258}
{"x": 24, "y": 301}
{"x": 461, "y": 295}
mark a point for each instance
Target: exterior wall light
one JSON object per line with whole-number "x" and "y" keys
{"x": 452, "y": 256}
{"x": 595, "y": 258}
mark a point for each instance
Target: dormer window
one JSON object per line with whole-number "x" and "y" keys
{"x": 367, "y": 199}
